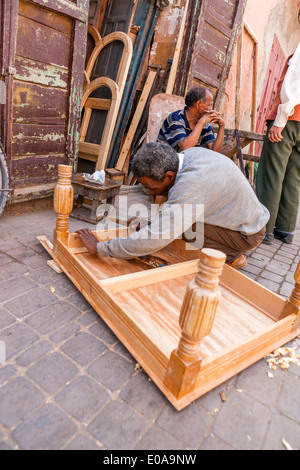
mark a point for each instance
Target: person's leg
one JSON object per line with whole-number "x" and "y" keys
{"x": 230, "y": 242}
{"x": 271, "y": 172}
{"x": 290, "y": 196}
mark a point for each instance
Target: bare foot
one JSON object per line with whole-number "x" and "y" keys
{"x": 88, "y": 239}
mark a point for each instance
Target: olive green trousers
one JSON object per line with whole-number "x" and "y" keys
{"x": 278, "y": 178}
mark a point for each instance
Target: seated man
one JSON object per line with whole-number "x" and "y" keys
{"x": 190, "y": 127}
{"x": 234, "y": 219}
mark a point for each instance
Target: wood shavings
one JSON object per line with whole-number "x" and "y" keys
{"x": 286, "y": 444}
{"x": 54, "y": 266}
{"x": 137, "y": 366}
{"x": 283, "y": 357}
{"x": 52, "y": 289}
{"x": 223, "y": 397}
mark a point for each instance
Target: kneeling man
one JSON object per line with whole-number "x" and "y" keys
{"x": 233, "y": 221}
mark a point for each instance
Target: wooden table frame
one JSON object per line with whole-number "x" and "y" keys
{"x": 190, "y": 325}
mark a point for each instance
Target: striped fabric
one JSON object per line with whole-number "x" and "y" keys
{"x": 176, "y": 128}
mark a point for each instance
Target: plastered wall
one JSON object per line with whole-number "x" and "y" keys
{"x": 265, "y": 19}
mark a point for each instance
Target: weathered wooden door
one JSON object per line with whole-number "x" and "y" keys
{"x": 275, "y": 67}
{"x": 44, "y": 99}
{"x": 117, "y": 16}
{"x": 211, "y": 34}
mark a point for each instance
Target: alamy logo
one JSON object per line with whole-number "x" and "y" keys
{"x": 2, "y": 352}
{"x": 173, "y": 221}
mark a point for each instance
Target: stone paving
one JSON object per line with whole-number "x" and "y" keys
{"x": 68, "y": 383}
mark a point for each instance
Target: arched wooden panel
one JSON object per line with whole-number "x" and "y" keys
{"x": 125, "y": 58}
{"x": 97, "y": 152}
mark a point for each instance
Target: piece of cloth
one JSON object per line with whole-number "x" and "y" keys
{"x": 286, "y": 106}
{"x": 230, "y": 242}
{"x": 278, "y": 178}
{"x": 207, "y": 180}
{"x": 176, "y": 128}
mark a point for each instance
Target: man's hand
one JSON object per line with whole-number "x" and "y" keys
{"x": 217, "y": 118}
{"x": 275, "y": 134}
{"x": 88, "y": 239}
{"x": 212, "y": 116}
{"x": 135, "y": 224}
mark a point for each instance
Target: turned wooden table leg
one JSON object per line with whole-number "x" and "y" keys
{"x": 292, "y": 305}
{"x": 295, "y": 295}
{"x": 196, "y": 320}
{"x": 63, "y": 204}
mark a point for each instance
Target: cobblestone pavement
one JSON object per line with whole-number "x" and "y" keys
{"x": 68, "y": 383}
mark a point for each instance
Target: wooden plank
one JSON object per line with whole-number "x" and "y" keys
{"x": 212, "y": 53}
{"x": 29, "y": 193}
{"x": 76, "y": 68}
{"x": 46, "y": 17}
{"x": 238, "y": 80}
{"x": 135, "y": 120}
{"x": 37, "y": 104}
{"x": 209, "y": 71}
{"x": 217, "y": 20}
{"x": 34, "y": 169}
{"x": 76, "y": 11}
{"x": 54, "y": 266}
{"x": 38, "y": 139}
{"x": 173, "y": 71}
{"x": 38, "y": 42}
{"x": 223, "y": 9}
{"x": 88, "y": 148}
{"x": 133, "y": 281}
{"x": 244, "y": 288}
{"x": 43, "y": 74}
{"x": 98, "y": 103}
{"x": 216, "y": 38}
{"x": 246, "y": 135}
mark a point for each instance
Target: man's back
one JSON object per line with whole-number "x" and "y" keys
{"x": 212, "y": 179}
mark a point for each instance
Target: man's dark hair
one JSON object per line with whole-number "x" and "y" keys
{"x": 196, "y": 94}
{"x": 153, "y": 160}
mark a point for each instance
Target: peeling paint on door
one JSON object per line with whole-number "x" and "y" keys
{"x": 48, "y": 66}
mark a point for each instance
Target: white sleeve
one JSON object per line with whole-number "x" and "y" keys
{"x": 290, "y": 91}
